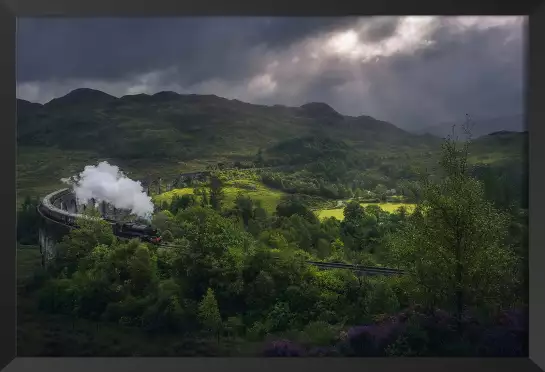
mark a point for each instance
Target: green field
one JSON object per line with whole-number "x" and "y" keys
{"x": 387, "y": 207}
{"x": 268, "y": 197}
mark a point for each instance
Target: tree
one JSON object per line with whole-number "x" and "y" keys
{"x": 216, "y": 193}
{"x": 259, "y": 158}
{"x": 245, "y": 208}
{"x": 28, "y": 221}
{"x": 353, "y": 212}
{"x": 402, "y": 213}
{"x": 356, "y": 226}
{"x": 142, "y": 269}
{"x": 373, "y": 210}
{"x": 381, "y": 191}
{"x": 203, "y": 195}
{"x": 209, "y": 314}
{"x": 293, "y": 205}
{"x": 81, "y": 241}
{"x": 358, "y": 193}
{"x": 181, "y": 203}
{"x": 453, "y": 246}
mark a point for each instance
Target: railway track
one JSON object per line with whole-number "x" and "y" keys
{"x": 366, "y": 270}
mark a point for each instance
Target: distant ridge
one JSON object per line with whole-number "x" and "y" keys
{"x": 81, "y": 96}
{"x": 482, "y": 127}
{"x": 503, "y": 133}
{"x": 320, "y": 109}
{"x": 184, "y": 126}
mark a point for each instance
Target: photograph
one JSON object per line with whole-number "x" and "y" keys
{"x": 272, "y": 186}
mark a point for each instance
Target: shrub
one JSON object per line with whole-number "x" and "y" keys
{"x": 372, "y": 340}
{"x": 283, "y": 348}
{"x": 323, "y": 352}
{"x": 318, "y": 334}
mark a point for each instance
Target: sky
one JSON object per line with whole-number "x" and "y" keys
{"x": 412, "y": 71}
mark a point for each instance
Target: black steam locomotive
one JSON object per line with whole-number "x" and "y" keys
{"x": 131, "y": 230}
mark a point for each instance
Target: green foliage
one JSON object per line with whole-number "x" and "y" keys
{"x": 318, "y": 333}
{"x": 209, "y": 314}
{"x": 28, "y": 221}
{"x": 81, "y": 241}
{"x": 295, "y": 206}
{"x": 216, "y": 193}
{"x": 245, "y": 208}
{"x": 457, "y": 241}
{"x": 228, "y": 251}
{"x": 181, "y": 203}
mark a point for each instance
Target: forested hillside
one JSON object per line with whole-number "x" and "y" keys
{"x": 167, "y": 133}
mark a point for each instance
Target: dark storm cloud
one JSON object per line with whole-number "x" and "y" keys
{"x": 281, "y": 32}
{"x": 479, "y": 72}
{"x": 466, "y": 68}
{"x": 382, "y": 29}
{"x": 199, "y": 48}
{"x": 117, "y": 48}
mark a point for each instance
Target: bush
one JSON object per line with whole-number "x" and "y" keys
{"x": 57, "y": 297}
{"x": 324, "y": 352}
{"x": 283, "y": 348}
{"x": 256, "y": 332}
{"x": 372, "y": 340}
{"x": 318, "y": 334}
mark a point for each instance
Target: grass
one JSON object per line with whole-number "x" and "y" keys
{"x": 269, "y": 198}
{"x": 387, "y": 207}
{"x": 392, "y": 207}
{"x": 40, "y": 169}
{"x": 169, "y": 195}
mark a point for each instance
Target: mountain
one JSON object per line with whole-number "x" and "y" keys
{"x": 81, "y": 96}
{"x": 170, "y": 126}
{"x": 27, "y": 107}
{"x": 504, "y": 144}
{"x": 166, "y": 133}
{"x": 481, "y": 127}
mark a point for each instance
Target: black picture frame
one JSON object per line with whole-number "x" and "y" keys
{"x": 10, "y": 10}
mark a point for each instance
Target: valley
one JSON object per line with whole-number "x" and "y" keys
{"x": 287, "y": 185}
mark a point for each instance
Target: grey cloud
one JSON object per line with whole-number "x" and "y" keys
{"x": 201, "y": 48}
{"x": 120, "y": 48}
{"x": 474, "y": 71}
{"x": 381, "y": 29}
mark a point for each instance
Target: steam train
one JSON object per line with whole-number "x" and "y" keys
{"x": 127, "y": 230}
{"x": 131, "y": 230}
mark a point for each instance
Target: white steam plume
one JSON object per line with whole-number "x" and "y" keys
{"x": 105, "y": 182}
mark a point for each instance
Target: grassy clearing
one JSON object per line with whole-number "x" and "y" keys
{"x": 392, "y": 207}
{"x": 269, "y": 198}
{"x": 387, "y": 207}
